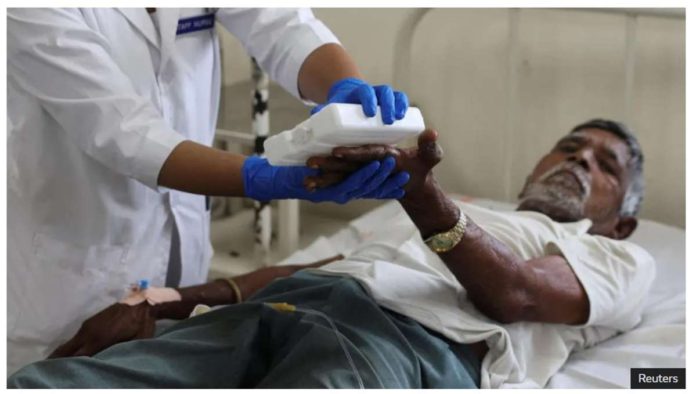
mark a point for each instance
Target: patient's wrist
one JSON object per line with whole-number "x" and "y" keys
{"x": 429, "y": 208}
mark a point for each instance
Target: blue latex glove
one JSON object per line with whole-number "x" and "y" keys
{"x": 393, "y": 104}
{"x": 265, "y": 182}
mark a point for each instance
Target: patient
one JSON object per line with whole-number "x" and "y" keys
{"x": 500, "y": 301}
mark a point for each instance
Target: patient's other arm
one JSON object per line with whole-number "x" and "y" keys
{"x": 219, "y": 292}
{"x": 121, "y": 322}
{"x": 503, "y": 286}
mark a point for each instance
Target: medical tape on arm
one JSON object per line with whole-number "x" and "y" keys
{"x": 141, "y": 292}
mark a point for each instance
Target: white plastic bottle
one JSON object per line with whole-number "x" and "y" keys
{"x": 338, "y": 125}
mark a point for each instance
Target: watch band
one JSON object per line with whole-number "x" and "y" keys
{"x": 446, "y": 241}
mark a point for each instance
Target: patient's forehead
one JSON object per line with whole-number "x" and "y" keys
{"x": 607, "y": 142}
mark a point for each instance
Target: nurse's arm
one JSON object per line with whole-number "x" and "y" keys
{"x": 57, "y": 59}
{"x": 293, "y": 46}
{"x": 324, "y": 66}
{"x": 199, "y": 169}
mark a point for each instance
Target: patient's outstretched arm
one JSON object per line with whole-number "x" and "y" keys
{"x": 501, "y": 284}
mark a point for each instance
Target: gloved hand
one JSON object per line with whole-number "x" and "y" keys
{"x": 265, "y": 182}
{"x": 393, "y": 104}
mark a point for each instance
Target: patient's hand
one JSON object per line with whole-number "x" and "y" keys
{"x": 425, "y": 203}
{"x": 117, "y": 323}
{"x": 417, "y": 161}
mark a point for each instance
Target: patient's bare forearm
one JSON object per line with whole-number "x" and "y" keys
{"x": 491, "y": 274}
{"x": 220, "y": 292}
{"x": 214, "y": 293}
{"x": 430, "y": 209}
{"x": 487, "y": 269}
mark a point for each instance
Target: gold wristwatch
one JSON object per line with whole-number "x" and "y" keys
{"x": 446, "y": 241}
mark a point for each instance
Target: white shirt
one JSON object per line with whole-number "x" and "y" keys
{"x": 97, "y": 100}
{"x": 403, "y": 275}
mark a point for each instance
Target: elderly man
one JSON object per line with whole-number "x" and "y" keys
{"x": 468, "y": 297}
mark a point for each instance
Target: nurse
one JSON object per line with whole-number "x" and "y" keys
{"x": 111, "y": 114}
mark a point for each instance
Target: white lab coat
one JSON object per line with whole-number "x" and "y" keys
{"x": 97, "y": 100}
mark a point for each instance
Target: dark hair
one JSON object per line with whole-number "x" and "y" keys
{"x": 636, "y": 184}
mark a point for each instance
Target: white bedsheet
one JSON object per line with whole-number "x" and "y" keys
{"x": 657, "y": 342}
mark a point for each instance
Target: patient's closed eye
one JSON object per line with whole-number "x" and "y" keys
{"x": 568, "y": 146}
{"x": 606, "y": 167}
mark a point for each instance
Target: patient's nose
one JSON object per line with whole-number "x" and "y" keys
{"x": 582, "y": 157}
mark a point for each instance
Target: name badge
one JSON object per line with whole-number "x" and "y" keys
{"x": 195, "y": 23}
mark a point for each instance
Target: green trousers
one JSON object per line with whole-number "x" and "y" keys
{"x": 336, "y": 337}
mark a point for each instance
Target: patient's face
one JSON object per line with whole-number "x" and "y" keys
{"x": 584, "y": 176}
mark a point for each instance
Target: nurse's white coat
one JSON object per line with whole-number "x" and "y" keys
{"x": 97, "y": 100}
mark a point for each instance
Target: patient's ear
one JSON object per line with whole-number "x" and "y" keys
{"x": 625, "y": 226}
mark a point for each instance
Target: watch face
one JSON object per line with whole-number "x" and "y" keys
{"x": 443, "y": 243}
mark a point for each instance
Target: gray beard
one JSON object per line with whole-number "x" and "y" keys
{"x": 554, "y": 198}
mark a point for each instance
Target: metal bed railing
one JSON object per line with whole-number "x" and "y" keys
{"x": 288, "y": 210}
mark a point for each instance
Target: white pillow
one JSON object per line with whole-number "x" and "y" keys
{"x": 667, "y": 245}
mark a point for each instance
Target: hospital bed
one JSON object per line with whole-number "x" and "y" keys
{"x": 501, "y": 86}
{"x": 657, "y": 342}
